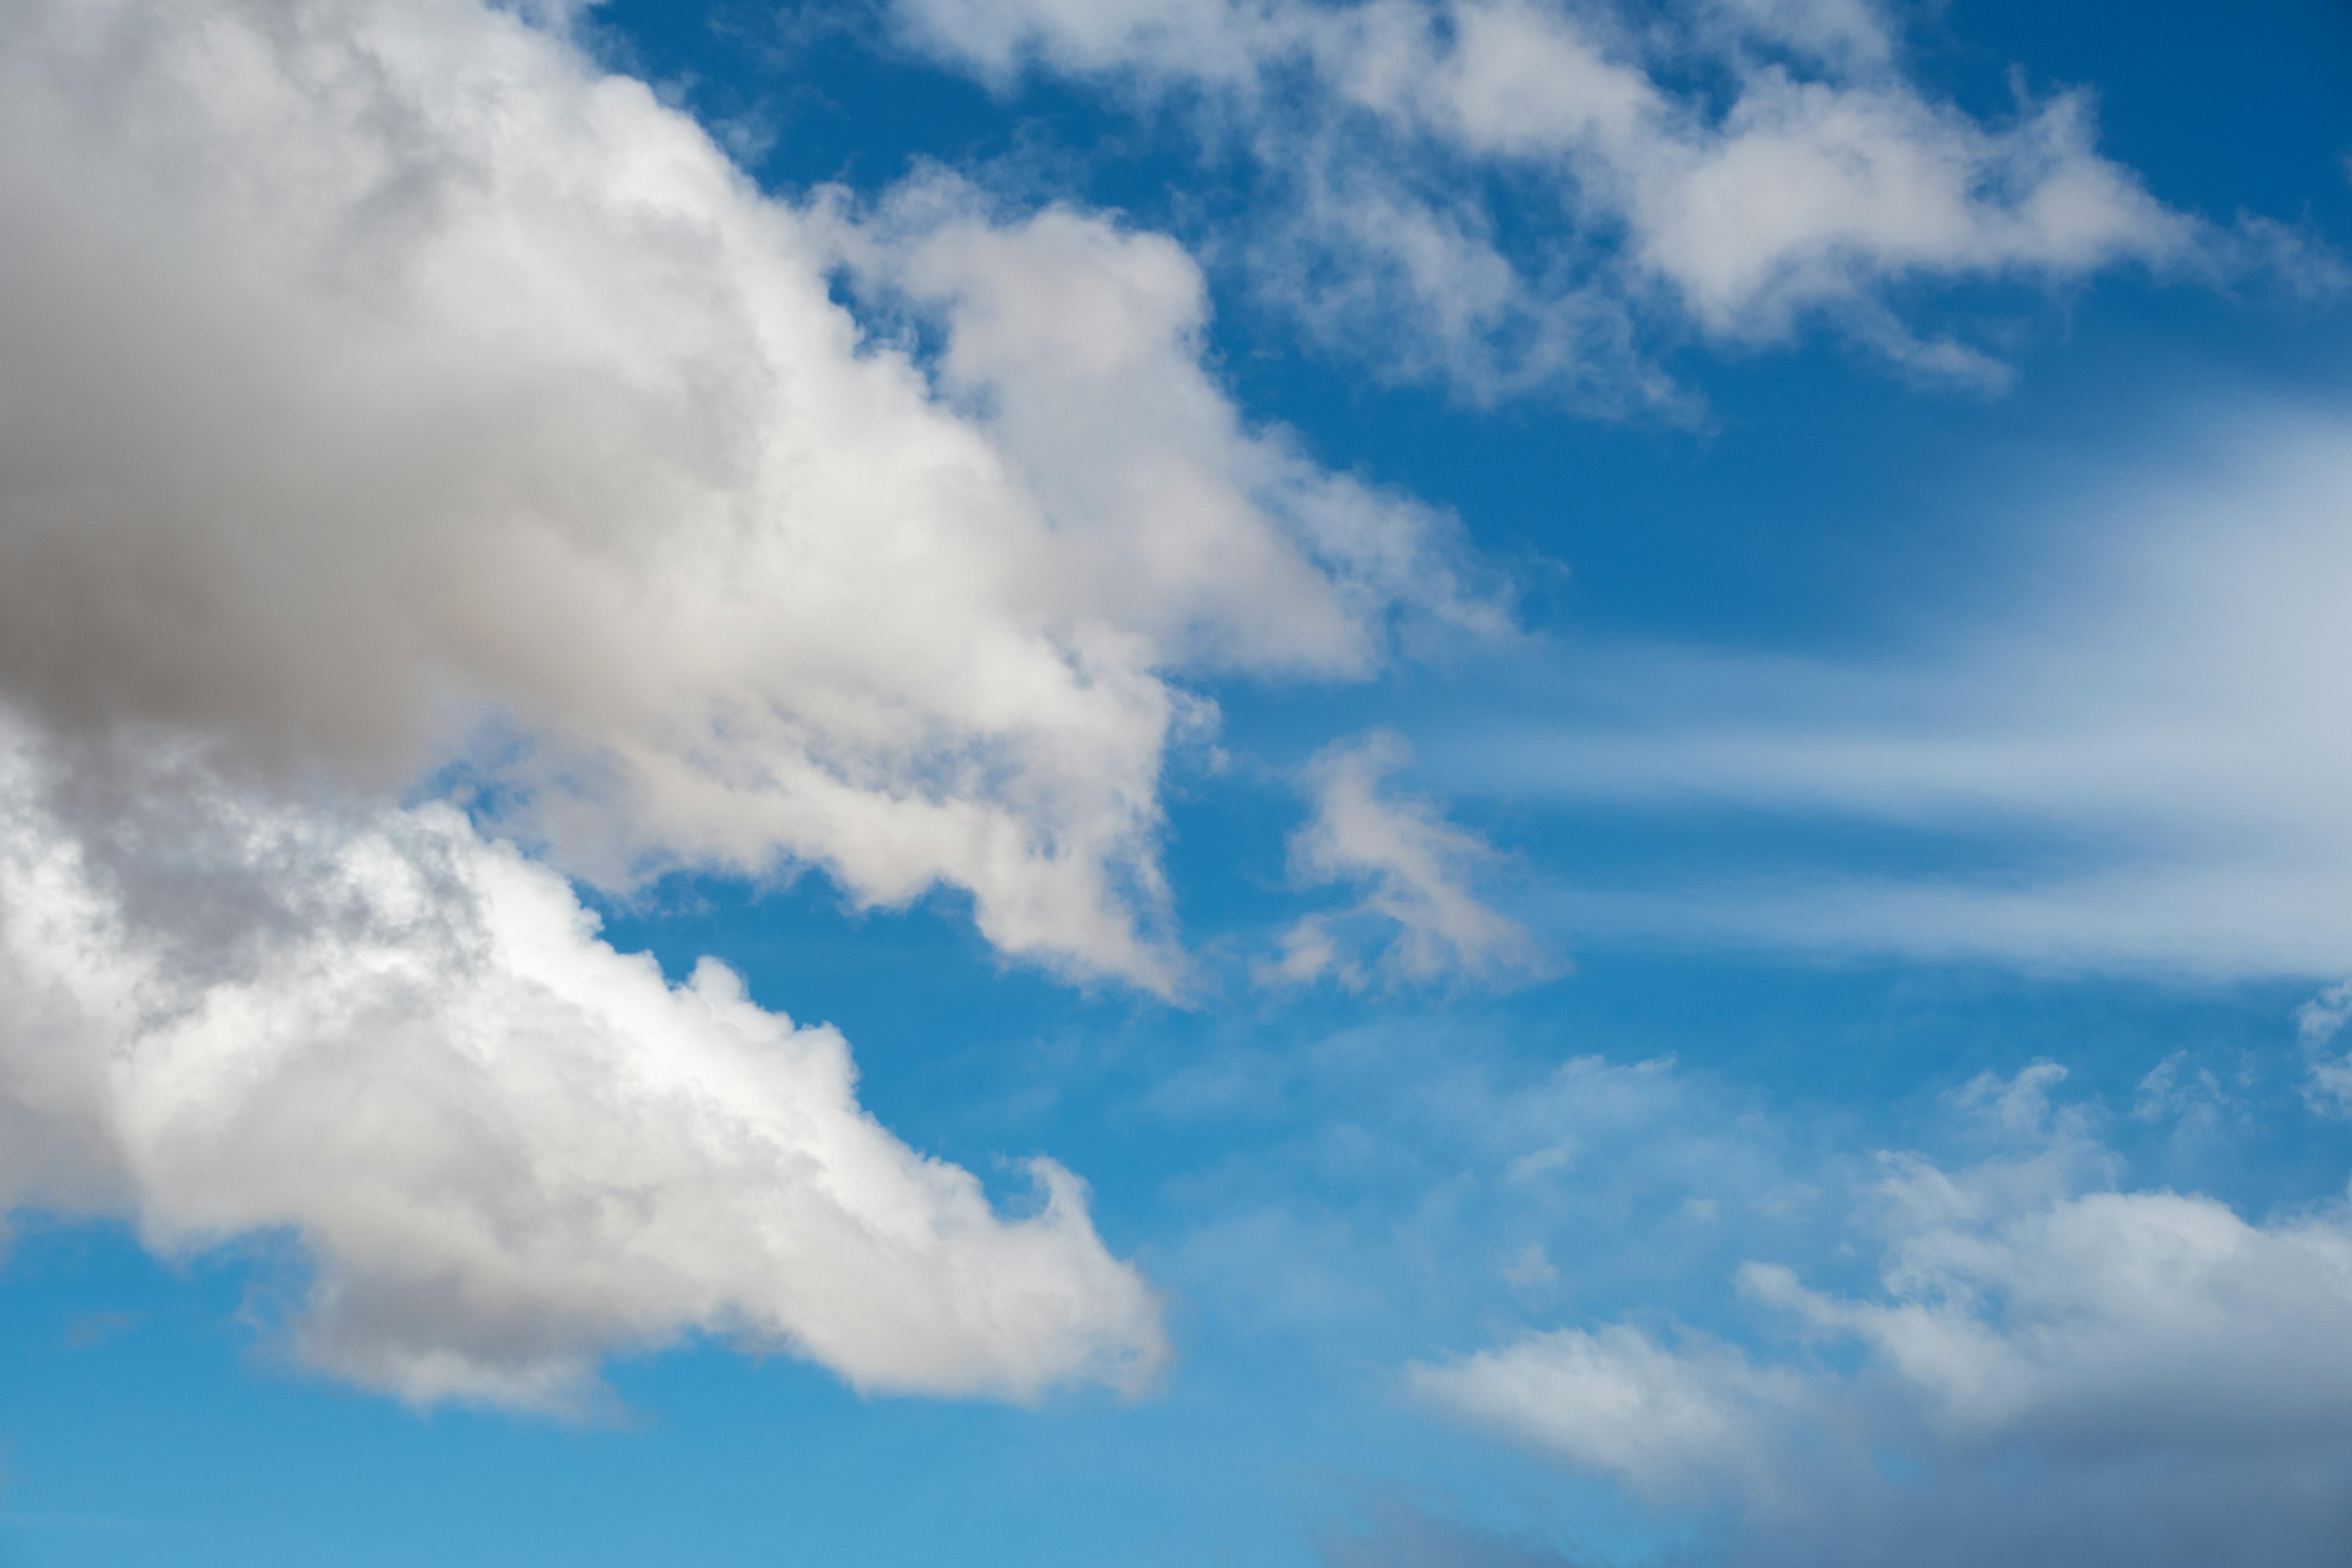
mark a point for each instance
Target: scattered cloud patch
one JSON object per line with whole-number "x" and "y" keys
{"x": 1508, "y": 195}
{"x": 2164, "y": 1371}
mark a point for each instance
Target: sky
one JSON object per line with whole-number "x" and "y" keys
{"x": 1290, "y": 783}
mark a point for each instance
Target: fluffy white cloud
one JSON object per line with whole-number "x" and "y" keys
{"x": 2045, "y": 1365}
{"x": 2132, "y": 1317}
{"x": 1416, "y": 869}
{"x": 382, "y": 380}
{"x": 391, "y": 403}
{"x": 1817, "y": 177}
{"x": 1076, "y": 347}
{"x": 503, "y": 1149}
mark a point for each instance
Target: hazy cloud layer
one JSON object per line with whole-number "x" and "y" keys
{"x": 503, "y": 1149}
{"x": 383, "y": 381}
{"x": 1506, "y": 194}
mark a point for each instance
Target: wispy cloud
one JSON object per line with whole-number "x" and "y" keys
{"x": 2136, "y": 762}
{"x": 1416, "y": 871}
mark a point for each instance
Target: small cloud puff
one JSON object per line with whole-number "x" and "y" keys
{"x": 1417, "y": 919}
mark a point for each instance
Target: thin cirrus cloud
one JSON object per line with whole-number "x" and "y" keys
{"x": 393, "y": 396}
{"x": 1804, "y": 178}
{"x": 2045, "y": 1364}
{"x": 2135, "y": 764}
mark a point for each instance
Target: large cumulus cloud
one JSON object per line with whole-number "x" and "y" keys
{"x": 391, "y": 401}
{"x": 374, "y": 369}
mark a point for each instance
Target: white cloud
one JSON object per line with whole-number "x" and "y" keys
{"x": 390, "y": 403}
{"x": 504, "y": 1150}
{"x": 1616, "y": 1400}
{"x": 1076, "y": 347}
{"x": 383, "y": 383}
{"x": 2043, "y": 1367}
{"x": 2145, "y": 1317}
{"x": 1416, "y": 868}
{"x": 2133, "y": 762}
{"x": 1820, "y": 177}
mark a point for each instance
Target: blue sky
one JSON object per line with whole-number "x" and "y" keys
{"x": 1479, "y": 783}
